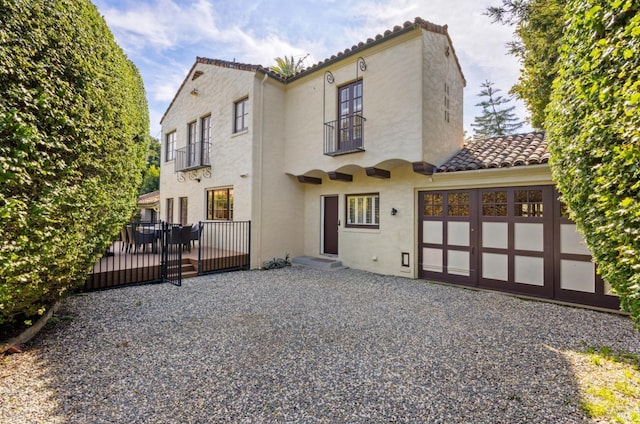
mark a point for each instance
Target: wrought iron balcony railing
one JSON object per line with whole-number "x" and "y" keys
{"x": 193, "y": 156}
{"x": 345, "y": 135}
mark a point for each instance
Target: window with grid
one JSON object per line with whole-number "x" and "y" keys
{"x": 191, "y": 142}
{"x": 170, "y": 146}
{"x": 205, "y": 133}
{"x": 169, "y": 215}
{"x": 433, "y": 205}
{"x": 363, "y": 210}
{"x": 220, "y": 204}
{"x": 494, "y": 203}
{"x": 528, "y": 203}
{"x": 184, "y": 202}
{"x": 350, "y": 109}
{"x": 241, "y": 114}
{"x": 458, "y": 204}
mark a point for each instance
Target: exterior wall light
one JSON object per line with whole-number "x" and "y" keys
{"x": 394, "y": 211}
{"x": 194, "y": 92}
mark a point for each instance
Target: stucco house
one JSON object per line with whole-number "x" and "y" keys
{"x": 148, "y": 206}
{"x": 361, "y": 158}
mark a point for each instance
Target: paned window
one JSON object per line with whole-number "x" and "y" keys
{"x": 458, "y": 204}
{"x": 220, "y": 204}
{"x": 170, "y": 146}
{"x": 433, "y": 204}
{"x": 350, "y": 108}
{"x": 169, "y": 214}
{"x": 191, "y": 142}
{"x": 528, "y": 203}
{"x": 363, "y": 210}
{"x": 184, "y": 202}
{"x": 241, "y": 114}
{"x": 494, "y": 203}
{"x": 205, "y": 130}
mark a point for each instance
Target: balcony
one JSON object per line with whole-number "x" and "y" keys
{"x": 194, "y": 156}
{"x": 345, "y": 135}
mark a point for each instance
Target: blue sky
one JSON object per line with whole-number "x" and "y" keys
{"x": 163, "y": 37}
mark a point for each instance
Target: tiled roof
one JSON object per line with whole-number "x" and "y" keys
{"x": 149, "y": 199}
{"x": 500, "y": 152}
{"x": 355, "y": 49}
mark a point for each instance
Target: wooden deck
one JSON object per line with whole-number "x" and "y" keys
{"x": 120, "y": 267}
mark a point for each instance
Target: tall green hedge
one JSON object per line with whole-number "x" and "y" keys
{"x": 594, "y": 128}
{"x": 73, "y": 135}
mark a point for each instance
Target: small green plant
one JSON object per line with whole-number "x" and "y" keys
{"x": 276, "y": 263}
{"x": 617, "y": 398}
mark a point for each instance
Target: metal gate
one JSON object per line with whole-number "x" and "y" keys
{"x": 156, "y": 252}
{"x": 172, "y": 246}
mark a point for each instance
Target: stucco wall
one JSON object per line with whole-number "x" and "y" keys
{"x": 218, "y": 89}
{"x": 396, "y": 234}
{"x": 277, "y": 218}
{"x": 442, "y": 101}
{"x": 391, "y": 106}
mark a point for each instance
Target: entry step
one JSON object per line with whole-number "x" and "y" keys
{"x": 321, "y": 263}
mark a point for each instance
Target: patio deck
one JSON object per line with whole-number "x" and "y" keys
{"x": 144, "y": 265}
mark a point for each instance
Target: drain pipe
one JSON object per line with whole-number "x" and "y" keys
{"x": 261, "y": 174}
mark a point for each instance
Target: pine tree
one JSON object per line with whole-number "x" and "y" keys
{"x": 494, "y": 121}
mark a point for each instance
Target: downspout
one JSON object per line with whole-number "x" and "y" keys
{"x": 261, "y": 174}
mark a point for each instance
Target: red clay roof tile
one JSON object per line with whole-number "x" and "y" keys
{"x": 499, "y": 152}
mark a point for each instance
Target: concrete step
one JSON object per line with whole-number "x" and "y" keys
{"x": 320, "y": 263}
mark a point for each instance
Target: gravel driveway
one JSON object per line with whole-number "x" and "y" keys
{"x": 304, "y": 345}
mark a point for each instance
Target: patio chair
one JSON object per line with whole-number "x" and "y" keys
{"x": 124, "y": 240}
{"x": 195, "y": 234}
{"x": 181, "y": 236}
{"x": 142, "y": 238}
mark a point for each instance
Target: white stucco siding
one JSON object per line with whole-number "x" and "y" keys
{"x": 391, "y": 106}
{"x": 442, "y": 90}
{"x": 218, "y": 89}
{"x": 277, "y": 218}
{"x": 358, "y": 247}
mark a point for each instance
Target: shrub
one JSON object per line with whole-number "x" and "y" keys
{"x": 594, "y": 128}
{"x": 276, "y": 263}
{"x": 73, "y": 134}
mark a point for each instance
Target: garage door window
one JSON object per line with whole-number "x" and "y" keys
{"x": 528, "y": 203}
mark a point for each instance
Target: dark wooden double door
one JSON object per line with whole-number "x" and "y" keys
{"x": 513, "y": 239}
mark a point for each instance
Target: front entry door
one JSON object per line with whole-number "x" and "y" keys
{"x": 330, "y": 225}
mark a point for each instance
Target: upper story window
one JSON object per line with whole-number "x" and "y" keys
{"x": 346, "y": 134}
{"x": 170, "y": 146}
{"x": 220, "y": 204}
{"x": 241, "y": 113}
{"x": 191, "y": 141}
{"x": 350, "y": 110}
{"x": 205, "y": 136}
{"x": 363, "y": 210}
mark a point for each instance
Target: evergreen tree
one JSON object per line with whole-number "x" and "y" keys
{"x": 151, "y": 174}
{"x": 594, "y": 133}
{"x": 538, "y": 27}
{"x": 74, "y": 124}
{"x": 494, "y": 121}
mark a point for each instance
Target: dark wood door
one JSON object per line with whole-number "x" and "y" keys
{"x": 330, "y": 220}
{"x": 448, "y": 237}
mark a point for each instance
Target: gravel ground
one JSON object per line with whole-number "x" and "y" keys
{"x": 304, "y": 345}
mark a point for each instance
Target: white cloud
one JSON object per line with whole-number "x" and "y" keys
{"x": 163, "y": 24}
{"x": 163, "y": 37}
